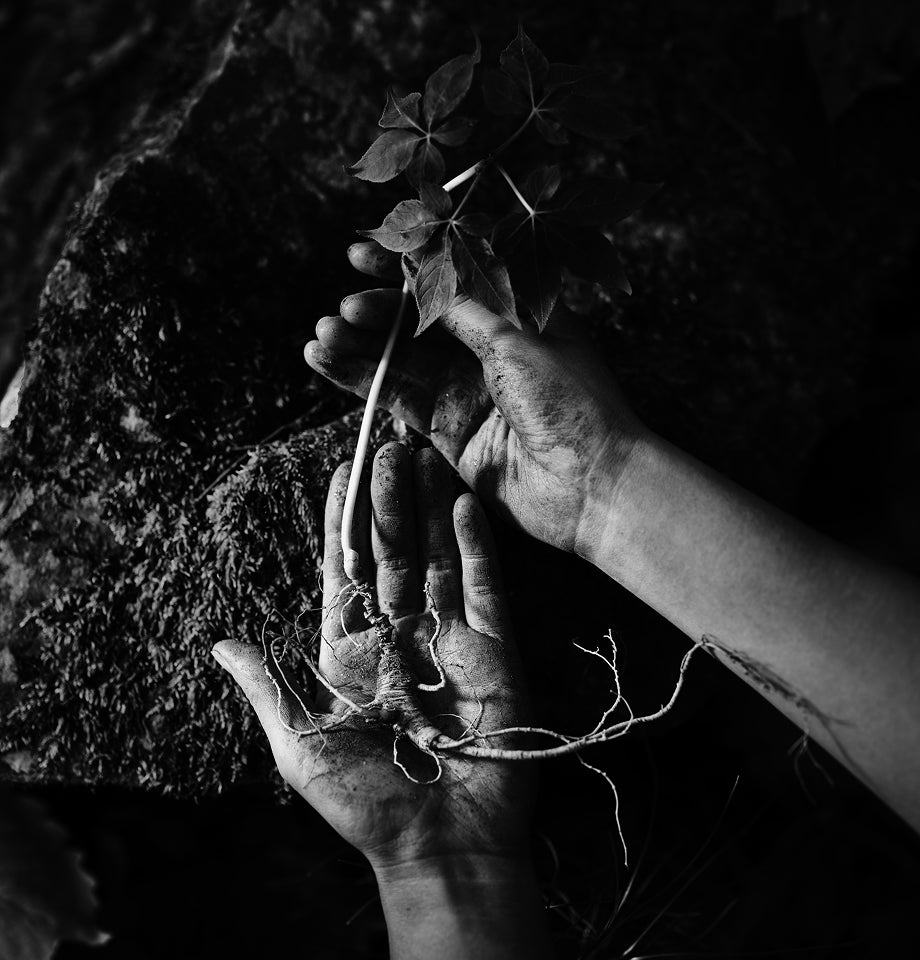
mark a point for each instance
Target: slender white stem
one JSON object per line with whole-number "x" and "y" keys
{"x": 350, "y": 557}
{"x": 517, "y": 192}
{"x": 467, "y": 174}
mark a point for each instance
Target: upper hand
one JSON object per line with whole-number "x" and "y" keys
{"x": 533, "y": 422}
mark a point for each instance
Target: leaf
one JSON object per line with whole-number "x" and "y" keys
{"x": 454, "y": 132}
{"x": 45, "y": 895}
{"x": 567, "y": 75}
{"x": 426, "y": 165}
{"x": 523, "y": 61}
{"x": 477, "y": 224}
{"x": 551, "y": 131}
{"x": 448, "y": 85}
{"x": 435, "y": 198}
{"x": 591, "y": 118}
{"x": 435, "y": 284}
{"x": 541, "y": 185}
{"x": 407, "y": 226}
{"x": 387, "y": 156}
{"x": 483, "y": 277}
{"x": 589, "y": 254}
{"x": 536, "y": 274}
{"x": 502, "y": 95}
{"x": 401, "y": 112}
{"x": 596, "y": 200}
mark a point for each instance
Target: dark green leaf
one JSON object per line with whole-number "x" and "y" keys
{"x": 435, "y": 283}
{"x": 523, "y": 61}
{"x": 551, "y": 131}
{"x": 567, "y": 76}
{"x": 436, "y": 198}
{"x": 535, "y": 274}
{"x": 483, "y": 277}
{"x": 541, "y": 185}
{"x": 589, "y": 254}
{"x": 454, "y": 132}
{"x": 502, "y": 95}
{"x": 590, "y": 118}
{"x": 507, "y": 232}
{"x": 448, "y": 85}
{"x": 387, "y": 156}
{"x": 407, "y": 226}
{"x": 477, "y": 224}
{"x": 401, "y": 112}
{"x": 427, "y": 164}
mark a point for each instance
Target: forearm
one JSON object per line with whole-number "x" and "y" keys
{"x": 484, "y": 908}
{"x": 829, "y": 637}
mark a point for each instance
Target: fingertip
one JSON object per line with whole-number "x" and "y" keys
{"x": 317, "y": 356}
{"x": 368, "y": 257}
{"x": 471, "y": 526}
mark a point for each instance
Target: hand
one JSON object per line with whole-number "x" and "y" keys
{"x": 533, "y": 422}
{"x": 419, "y": 535}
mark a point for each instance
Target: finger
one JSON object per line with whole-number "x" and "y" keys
{"x": 483, "y": 598}
{"x": 337, "y": 335}
{"x": 440, "y": 560}
{"x": 370, "y": 258}
{"x": 407, "y": 393}
{"x": 375, "y": 309}
{"x": 245, "y": 663}
{"x": 338, "y": 615}
{"x": 394, "y": 539}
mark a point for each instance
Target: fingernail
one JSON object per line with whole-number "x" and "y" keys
{"x": 219, "y": 657}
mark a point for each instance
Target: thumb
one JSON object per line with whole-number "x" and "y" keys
{"x": 280, "y": 703}
{"x": 479, "y": 329}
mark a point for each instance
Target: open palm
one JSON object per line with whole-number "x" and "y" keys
{"x": 396, "y": 804}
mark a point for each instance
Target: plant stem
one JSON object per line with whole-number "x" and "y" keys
{"x": 350, "y": 557}
{"x": 517, "y": 192}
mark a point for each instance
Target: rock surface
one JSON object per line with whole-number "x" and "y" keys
{"x": 178, "y": 197}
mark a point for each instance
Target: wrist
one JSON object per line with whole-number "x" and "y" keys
{"x": 460, "y": 906}
{"x": 618, "y": 467}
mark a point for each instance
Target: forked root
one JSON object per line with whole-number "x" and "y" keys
{"x": 397, "y": 701}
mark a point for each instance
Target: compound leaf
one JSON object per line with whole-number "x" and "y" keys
{"x": 401, "y": 112}
{"x": 435, "y": 283}
{"x": 502, "y": 95}
{"x": 407, "y": 226}
{"x": 448, "y": 85}
{"x": 387, "y": 156}
{"x": 483, "y": 277}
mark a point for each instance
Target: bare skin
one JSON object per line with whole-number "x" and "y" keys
{"x": 537, "y": 426}
{"x": 451, "y": 857}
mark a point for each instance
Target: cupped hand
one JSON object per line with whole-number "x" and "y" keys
{"x": 427, "y": 549}
{"x": 533, "y": 422}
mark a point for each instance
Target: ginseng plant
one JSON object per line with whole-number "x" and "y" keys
{"x": 505, "y": 259}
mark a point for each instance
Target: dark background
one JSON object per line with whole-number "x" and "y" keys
{"x": 773, "y": 332}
